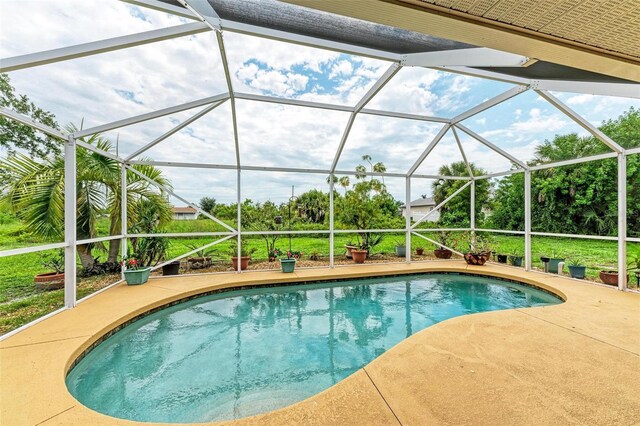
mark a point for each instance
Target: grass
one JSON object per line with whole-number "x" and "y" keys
{"x": 20, "y": 302}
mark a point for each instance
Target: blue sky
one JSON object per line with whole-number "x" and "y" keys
{"x": 116, "y": 85}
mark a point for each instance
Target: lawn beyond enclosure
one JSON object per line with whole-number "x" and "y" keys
{"x": 20, "y": 302}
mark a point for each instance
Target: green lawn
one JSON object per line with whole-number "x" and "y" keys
{"x": 20, "y": 302}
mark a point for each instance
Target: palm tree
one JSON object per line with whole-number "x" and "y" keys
{"x": 35, "y": 192}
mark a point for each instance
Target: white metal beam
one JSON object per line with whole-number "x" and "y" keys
{"x": 491, "y": 146}
{"x": 437, "y": 244}
{"x": 489, "y": 75}
{"x": 624, "y": 90}
{"x": 622, "y": 221}
{"x": 124, "y": 220}
{"x": 70, "y": 211}
{"x": 403, "y": 115}
{"x": 473, "y": 57}
{"x": 101, "y": 46}
{"x": 176, "y": 129}
{"x": 50, "y": 131}
{"x": 429, "y": 148}
{"x": 407, "y": 219}
{"x": 33, "y": 249}
{"x": 373, "y": 90}
{"x": 272, "y": 34}
{"x": 527, "y": 220}
{"x": 190, "y": 204}
{"x": 150, "y": 115}
{"x": 580, "y": 121}
{"x": 464, "y": 157}
{"x": 294, "y": 102}
{"x": 514, "y": 91}
{"x": 163, "y": 7}
{"x": 439, "y": 206}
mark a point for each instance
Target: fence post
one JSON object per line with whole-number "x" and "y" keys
{"x": 622, "y": 221}
{"x": 407, "y": 219}
{"x": 70, "y": 211}
{"x": 527, "y": 220}
{"x": 331, "y": 223}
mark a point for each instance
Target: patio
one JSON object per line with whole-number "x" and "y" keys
{"x": 572, "y": 362}
{"x": 575, "y": 362}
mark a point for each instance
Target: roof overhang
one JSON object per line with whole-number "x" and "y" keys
{"x": 425, "y": 17}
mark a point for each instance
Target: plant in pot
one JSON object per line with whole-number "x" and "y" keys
{"x": 134, "y": 271}
{"x": 502, "y": 258}
{"x": 289, "y": 264}
{"x": 245, "y": 255}
{"x": 349, "y": 247}
{"x": 419, "y": 251}
{"x": 53, "y": 280}
{"x": 576, "y": 270}
{"x": 441, "y": 252}
{"x": 201, "y": 258}
{"x": 554, "y": 261}
{"x": 401, "y": 249}
{"x": 479, "y": 250}
{"x": 274, "y": 254}
{"x": 610, "y": 277}
{"x": 360, "y": 254}
{"x": 515, "y": 258}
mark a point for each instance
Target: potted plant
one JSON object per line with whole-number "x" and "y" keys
{"x": 202, "y": 258}
{"x": 172, "y": 268}
{"x": 479, "y": 250}
{"x": 53, "y": 280}
{"x": 419, "y": 251}
{"x": 134, "y": 272}
{"x": 554, "y": 260}
{"x": 576, "y": 270}
{"x": 401, "y": 249}
{"x": 350, "y": 246}
{"x": 515, "y": 259}
{"x": 610, "y": 277}
{"x": 274, "y": 254}
{"x": 441, "y": 252}
{"x": 360, "y": 254}
{"x": 245, "y": 256}
{"x": 289, "y": 264}
{"x": 502, "y": 258}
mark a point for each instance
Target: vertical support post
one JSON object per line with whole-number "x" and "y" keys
{"x": 472, "y": 213}
{"x": 239, "y": 227}
{"x": 331, "y": 222}
{"x": 407, "y": 219}
{"x": 622, "y": 221}
{"x": 70, "y": 208}
{"x": 527, "y": 220}
{"x": 124, "y": 228}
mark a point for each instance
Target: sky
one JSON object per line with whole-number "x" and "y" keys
{"x": 115, "y": 85}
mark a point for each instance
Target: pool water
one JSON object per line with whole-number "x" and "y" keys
{"x": 236, "y": 354}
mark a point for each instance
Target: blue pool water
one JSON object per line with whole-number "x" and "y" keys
{"x": 241, "y": 353}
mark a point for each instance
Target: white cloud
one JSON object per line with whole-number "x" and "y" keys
{"x": 341, "y": 68}
{"x": 121, "y": 84}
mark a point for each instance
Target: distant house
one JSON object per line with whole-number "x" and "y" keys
{"x": 184, "y": 213}
{"x": 419, "y": 208}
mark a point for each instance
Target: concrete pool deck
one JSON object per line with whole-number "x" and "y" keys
{"x": 573, "y": 363}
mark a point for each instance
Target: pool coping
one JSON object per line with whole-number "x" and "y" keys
{"x": 55, "y": 344}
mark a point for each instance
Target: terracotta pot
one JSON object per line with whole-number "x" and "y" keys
{"x": 442, "y": 253}
{"x": 244, "y": 262}
{"x": 349, "y": 250}
{"x": 478, "y": 259}
{"x": 610, "y": 277}
{"x": 359, "y": 256}
{"x": 49, "y": 281}
{"x": 419, "y": 252}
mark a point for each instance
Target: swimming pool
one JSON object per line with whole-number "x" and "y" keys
{"x": 235, "y": 354}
